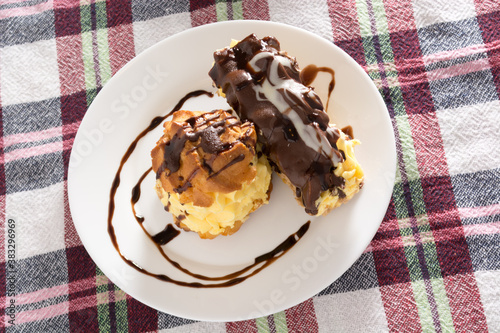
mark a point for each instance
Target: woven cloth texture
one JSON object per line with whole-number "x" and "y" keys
{"x": 433, "y": 265}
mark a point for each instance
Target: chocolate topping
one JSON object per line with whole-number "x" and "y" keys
{"x": 197, "y": 128}
{"x": 264, "y": 85}
{"x": 204, "y": 152}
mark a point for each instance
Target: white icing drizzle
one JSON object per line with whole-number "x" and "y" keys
{"x": 269, "y": 89}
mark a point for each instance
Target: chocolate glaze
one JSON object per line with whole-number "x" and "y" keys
{"x": 237, "y": 159}
{"x": 187, "y": 184}
{"x": 170, "y": 232}
{"x": 264, "y": 85}
{"x": 207, "y": 129}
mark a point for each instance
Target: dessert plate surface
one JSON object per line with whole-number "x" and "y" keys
{"x": 149, "y": 86}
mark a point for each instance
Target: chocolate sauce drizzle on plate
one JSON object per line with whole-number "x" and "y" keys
{"x": 308, "y": 75}
{"x": 170, "y": 232}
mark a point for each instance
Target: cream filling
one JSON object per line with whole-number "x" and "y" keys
{"x": 350, "y": 170}
{"x": 227, "y": 207}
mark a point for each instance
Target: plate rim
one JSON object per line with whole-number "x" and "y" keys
{"x": 123, "y": 72}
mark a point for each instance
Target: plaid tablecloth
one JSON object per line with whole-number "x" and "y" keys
{"x": 434, "y": 264}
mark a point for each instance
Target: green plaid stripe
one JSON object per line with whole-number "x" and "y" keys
{"x": 278, "y": 320}
{"x": 95, "y": 47}
{"x": 102, "y": 301}
{"x": 106, "y": 297}
{"x": 225, "y": 8}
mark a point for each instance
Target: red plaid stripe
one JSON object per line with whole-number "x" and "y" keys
{"x": 67, "y": 19}
{"x": 489, "y": 21}
{"x": 82, "y": 311}
{"x": 73, "y": 108}
{"x": 465, "y": 303}
{"x": 399, "y": 15}
{"x": 121, "y": 45}
{"x": 71, "y": 72}
{"x": 119, "y": 12}
{"x": 401, "y": 308}
{"x": 202, "y": 12}
{"x": 345, "y": 28}
{"x": 141, "y": 317}
{"x": 345, "y": 24}
{"x": 255, "y": 10}
{"x": 241, "y": 326}
{"x": 428, "y": 143}
{"x": 71, "y": 238}
{"x": 302, "y": 318}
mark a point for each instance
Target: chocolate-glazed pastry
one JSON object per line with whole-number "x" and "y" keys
{"x": 264, "y": 85}
{"x": 208, "y": 172}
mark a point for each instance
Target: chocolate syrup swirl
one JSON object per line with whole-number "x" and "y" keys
{"x": 136, "y": 194}
{"x": 308, "y": 75}
{"x": 264, "y": 85}
{"x": 170, "y": 232}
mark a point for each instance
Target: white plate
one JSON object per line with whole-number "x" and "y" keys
{"x": 149, "y": 86}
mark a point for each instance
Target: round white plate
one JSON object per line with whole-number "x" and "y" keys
{"x": 149, "y": 86}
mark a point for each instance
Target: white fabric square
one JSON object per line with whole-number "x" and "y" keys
{"x": 471, "y": 137}
{"x": 359, "y": 311}
{"x": 150, "y": 32}
{"x": 488, "y": 283}
{"x": 29, "y": 72}
{"x": 427, "y": 12}
{"x": 39, "y": 220}
{"x": 314, "y": 15}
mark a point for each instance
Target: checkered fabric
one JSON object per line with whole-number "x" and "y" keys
{"x": 434, "y": 264}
